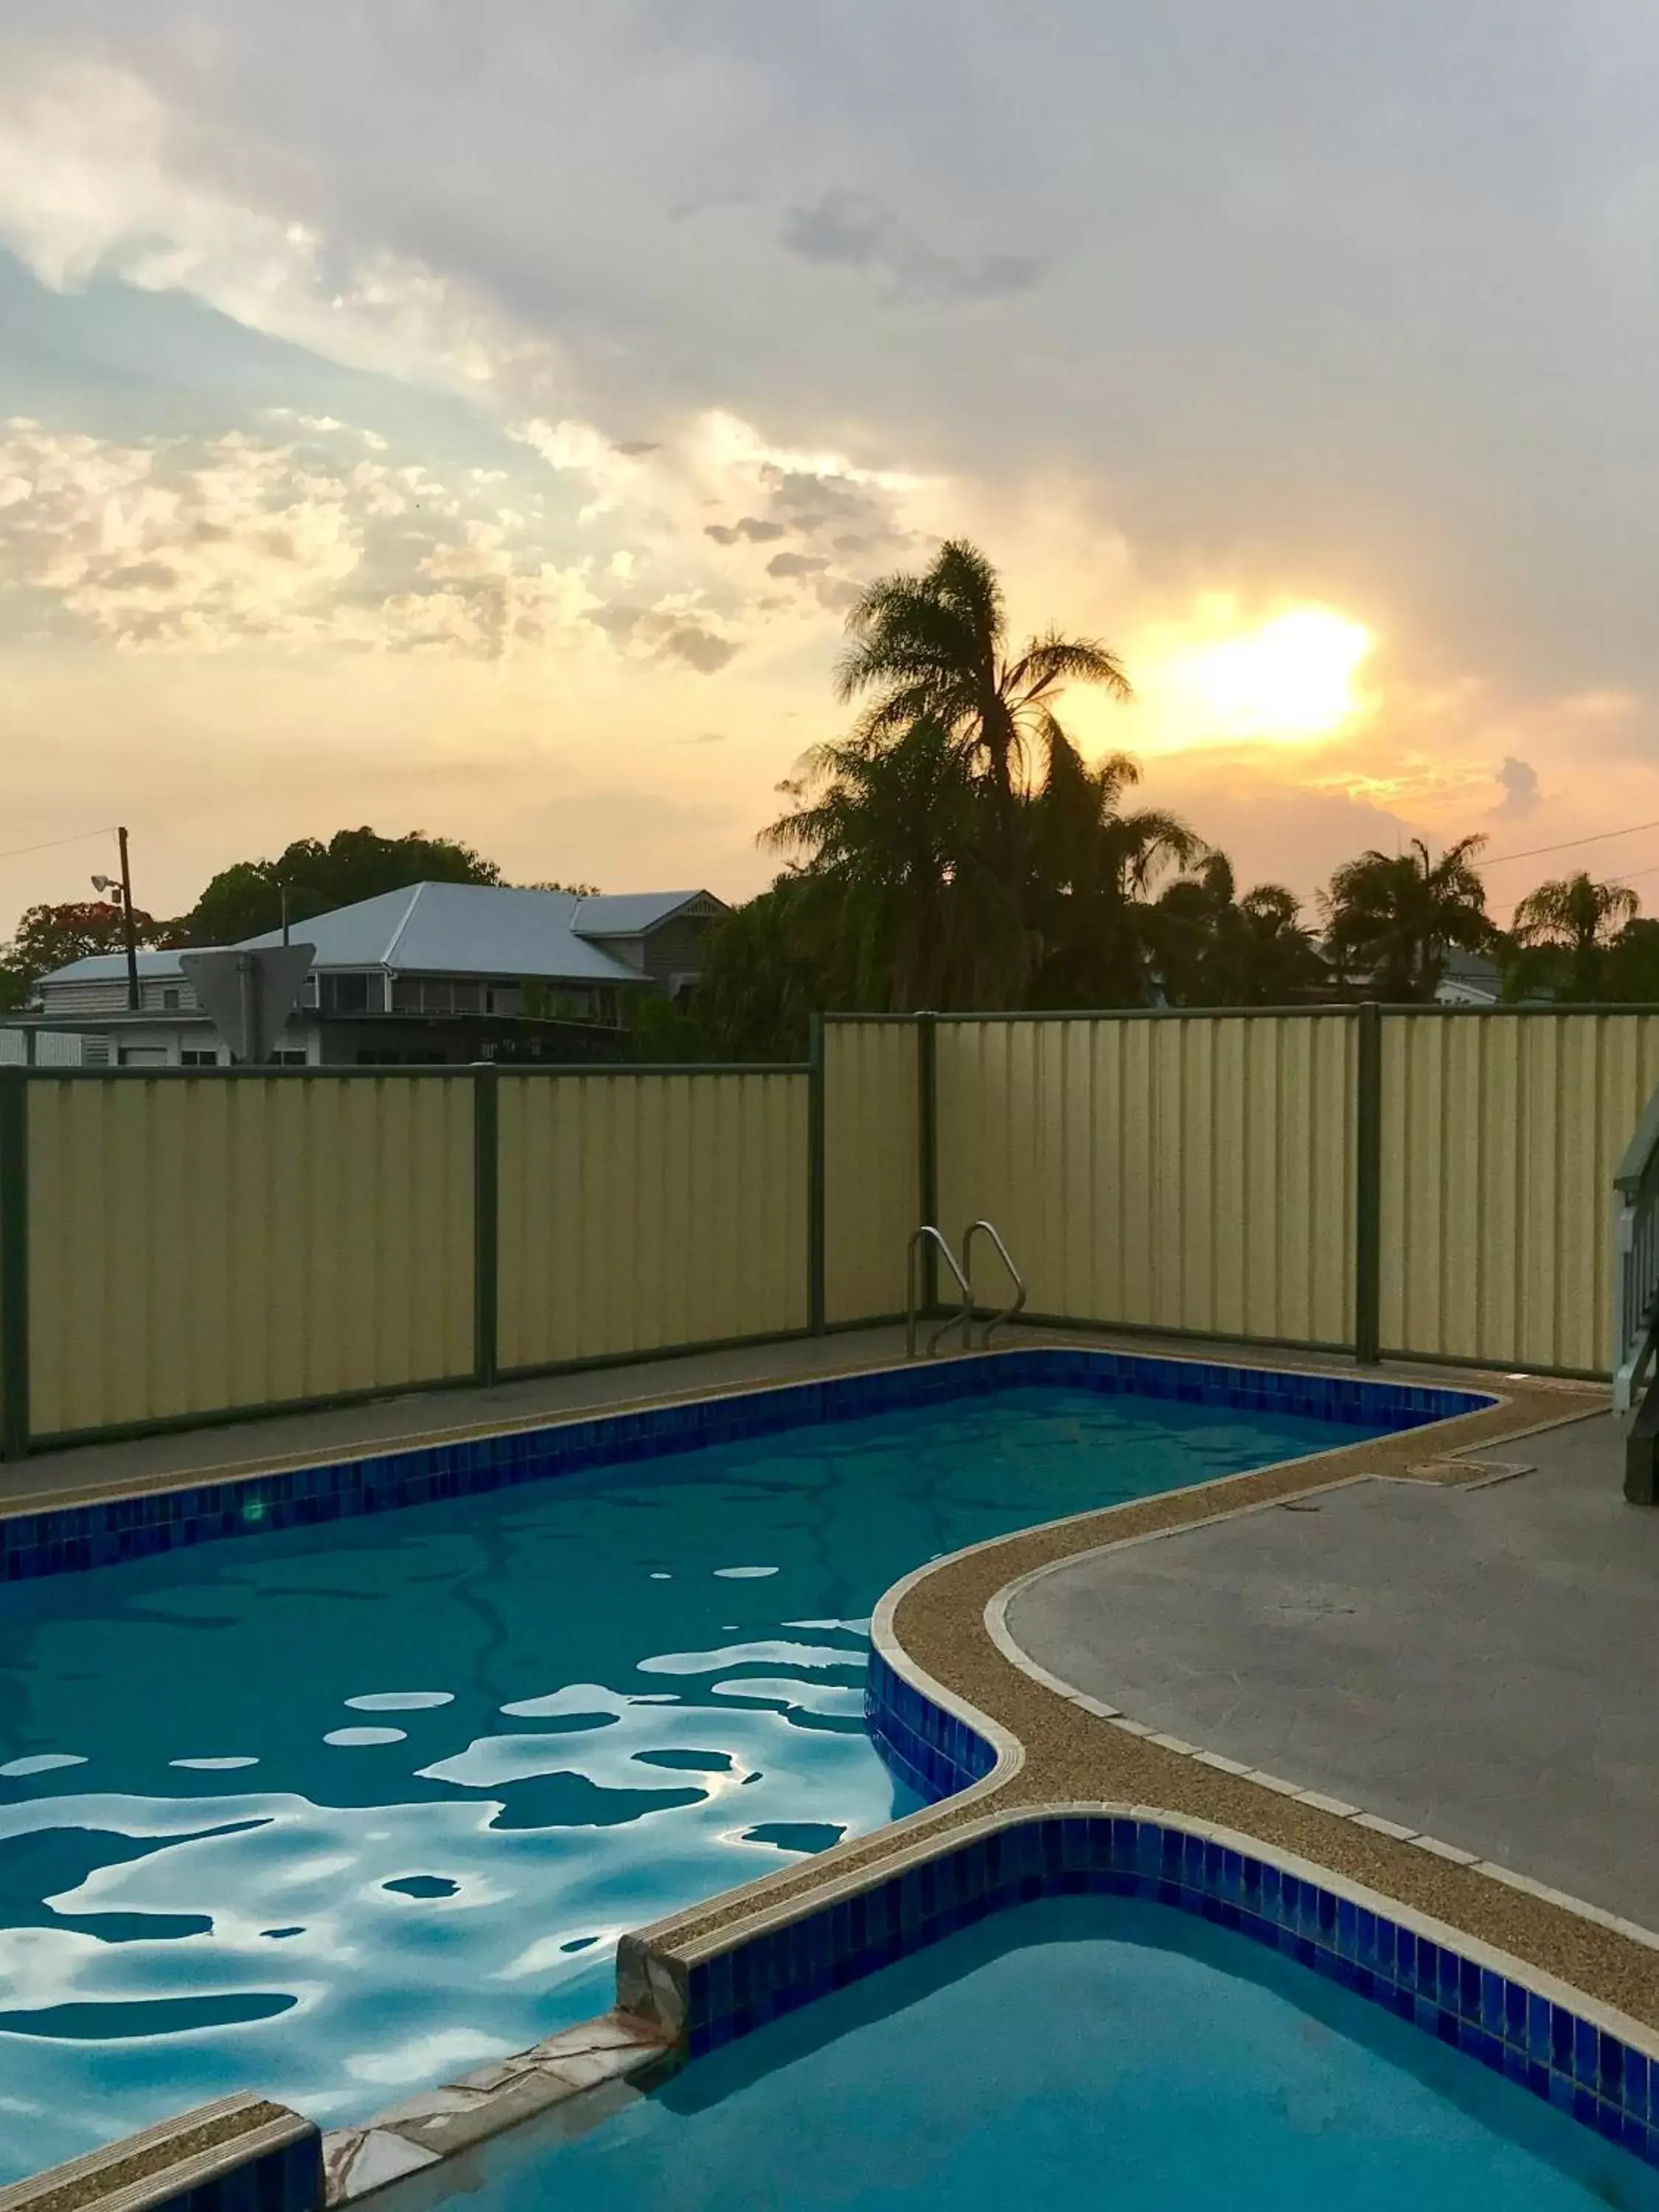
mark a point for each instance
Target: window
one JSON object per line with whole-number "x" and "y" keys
{"x": 289, "y": 1058}
{"x": 190, "y": 1058}
{"x": 344, "y": 994}
{"x": 143, "y": 1055}
{"x": 170, "y": 998}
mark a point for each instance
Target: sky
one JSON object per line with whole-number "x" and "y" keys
{"x": 477, "y": 419}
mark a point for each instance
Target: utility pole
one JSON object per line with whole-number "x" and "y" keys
{"x": 133, "y": 1000}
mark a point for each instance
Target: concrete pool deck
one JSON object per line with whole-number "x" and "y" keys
{"x": 1470, "y": 1663}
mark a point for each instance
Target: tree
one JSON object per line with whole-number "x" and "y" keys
{"x": 1399, "y": 915}
{"x": 1212, "y": 948}
{"x": 1093, "y": 865}
{"x": 1573, "y": 922}
{"x": 932, "y": 648}
{"x": 50, "y": 937}
{"x": 1632, "y": 968}
{"x": 894, "y": 828}
{"x": 246, "y": 900}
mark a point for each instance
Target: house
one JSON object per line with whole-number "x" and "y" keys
{"x": 437, "y": 973}
{"x": 1469, "y": 979}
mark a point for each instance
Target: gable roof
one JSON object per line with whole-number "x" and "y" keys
{"x": 631, "y": 914}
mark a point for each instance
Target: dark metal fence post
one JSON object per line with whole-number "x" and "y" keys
{"x": 486, "y": 1219}
{"x": 928, "y": 1135}
{"x": 1368, "y": 1186}
{"x": 14, "y": 1263}
{"x": 815, "y": 1217}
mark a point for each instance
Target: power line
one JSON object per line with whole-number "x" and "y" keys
{"x": 1599, "y": 837}
{"x": 51, "y": 843}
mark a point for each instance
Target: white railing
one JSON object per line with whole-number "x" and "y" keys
{"x": 1636, "y": 1259}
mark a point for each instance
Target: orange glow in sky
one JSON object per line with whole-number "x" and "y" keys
{"x": 1292, "y": 679}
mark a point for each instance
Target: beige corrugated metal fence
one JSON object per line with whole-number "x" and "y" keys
{"x": 1500, "y": 1135}
{"x": 871, "y": 1165}
{"x": 199, "y": 1244}
{"x": 1192, "y": 1172}
{"x": 641, "y": 1211}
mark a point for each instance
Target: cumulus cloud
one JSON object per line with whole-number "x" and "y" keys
{"x": 1521, "y": 797}
{"x": 202, "y": 545}
{"x": 750, "y": 527}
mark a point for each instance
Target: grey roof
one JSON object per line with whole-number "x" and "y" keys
{"x": 460, "y": 929}
{"x": 450, "y": 929}
{"x": 106, "y": 967}
{"x": 630, "y": 914}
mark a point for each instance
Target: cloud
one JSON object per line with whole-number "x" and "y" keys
{"x": 796, "y": 564}
{"x": 706, "y": 737}
{"x": 1520, "y": 793}
{"x": 93, "y": 182}
{"x": 857, "y": 230}
{"x": 200, "y": 545}
{"x": 750, "y": 527}
{"x": 671, "y": 631}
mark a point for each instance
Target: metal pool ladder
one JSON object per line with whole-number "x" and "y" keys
{"x": 963, "y": 1271}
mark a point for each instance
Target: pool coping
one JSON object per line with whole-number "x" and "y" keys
{"x": 618, "y": 2054}
{"x": 997, "y": 1628}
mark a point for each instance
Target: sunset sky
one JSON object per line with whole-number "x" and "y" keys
{"x": 478, "y": 418}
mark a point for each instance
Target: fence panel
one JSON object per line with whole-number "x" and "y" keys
{"x": 1191, "y": 1172}
{"x": 871, "y": 1165}
{"x": 1500, "y": 1135}
{"x": 197, "y": 1245}
{"x": 639, "y": 1212}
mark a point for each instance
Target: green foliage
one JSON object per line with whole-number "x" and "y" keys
{"x": 954, "y": 850}
{"x": 1397, "y": 915}
{"x": 1211, "y": 948}
{"x": 1565, "y": 934}
{"x": 1631, "y": 974}
{"x": 50, "y": 937}
{"x": 246, "y": 900}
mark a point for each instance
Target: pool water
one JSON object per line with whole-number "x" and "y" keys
{"x": 335, "y": 1813}
{"x": 1086, "y": 2051}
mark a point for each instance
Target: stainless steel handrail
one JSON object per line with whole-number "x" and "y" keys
{"x": 927, "y": 1234}
{"x": 1018, "y": 1280}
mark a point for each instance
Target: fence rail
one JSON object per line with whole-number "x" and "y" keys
{"x": 1431, "y": 1183}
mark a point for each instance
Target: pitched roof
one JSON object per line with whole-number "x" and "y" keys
{"x": 103, "y": 967}
{"x": 630, "y": 914}
{"x": 451, "y": 929}
{"x": 460, "y": 929}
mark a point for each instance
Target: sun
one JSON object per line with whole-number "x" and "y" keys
{"x": 1291, "y": 680}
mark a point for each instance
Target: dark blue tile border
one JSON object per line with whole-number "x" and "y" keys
{"x": 1569, "y": 2061}
{"x": 68, "y": 1540}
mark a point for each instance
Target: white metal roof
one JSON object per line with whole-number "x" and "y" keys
{"x": 459, "y": 929}
{"x": 630, "y": 914}
{"x": 451, "y": 929}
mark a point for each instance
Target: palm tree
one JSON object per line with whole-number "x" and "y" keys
{"x": 1212, "y": 948}
{"x": 1399, "y": 915}
{"x": 1092, "y": 867}
{"x": 895, "y": 827}
{"x": 1581, "y": 918}
{"x": 933, "y": 648}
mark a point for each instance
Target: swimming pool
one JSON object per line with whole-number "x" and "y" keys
{"x": 1078, "y": 2049}
{"x": 333, "y": 1812}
